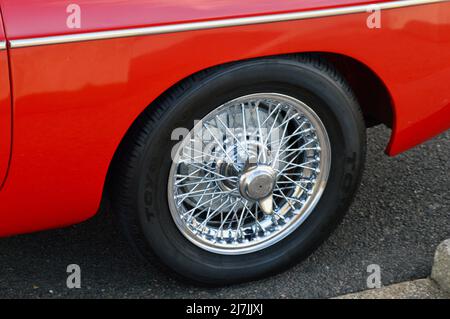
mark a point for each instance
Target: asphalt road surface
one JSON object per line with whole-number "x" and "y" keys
{"x": 400, "y": 215}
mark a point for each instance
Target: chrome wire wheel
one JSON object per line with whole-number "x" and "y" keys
{"x": 249, "y": 173}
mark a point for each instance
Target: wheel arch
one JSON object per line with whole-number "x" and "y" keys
{"x": 373, "y": 95}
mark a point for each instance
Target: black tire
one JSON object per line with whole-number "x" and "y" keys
{"x": 141, "y": 175}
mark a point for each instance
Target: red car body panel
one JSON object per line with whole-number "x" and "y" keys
{"x": 120, "y": 14}
{"x": 74, "y": 102}
{"x": 5, "y": 110}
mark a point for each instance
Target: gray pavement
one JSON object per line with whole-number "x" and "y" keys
{"x": 437, "y": 286}
{"x": 400, "y": 215}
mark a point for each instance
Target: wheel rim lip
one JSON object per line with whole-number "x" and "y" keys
{"x": 305, "y": 211}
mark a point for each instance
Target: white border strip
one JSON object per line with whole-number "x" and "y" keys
{"x": 90, "y": 36}
{"x": 2, "y": 45}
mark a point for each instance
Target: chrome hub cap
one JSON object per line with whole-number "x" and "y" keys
{"x": 249, "y": 173}
{"x": 257, "y": 182}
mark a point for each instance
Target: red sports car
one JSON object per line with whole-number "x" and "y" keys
{"x": 225, "y": 137}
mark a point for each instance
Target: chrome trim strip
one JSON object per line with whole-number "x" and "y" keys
{"x": 182, "y": 27}
{"x": 2, "y": 45}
